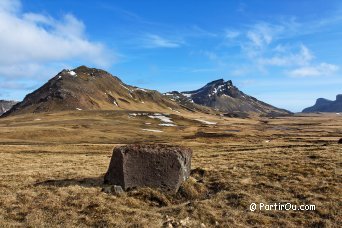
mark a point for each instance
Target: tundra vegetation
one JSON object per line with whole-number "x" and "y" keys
{"x": 53, "y": 164}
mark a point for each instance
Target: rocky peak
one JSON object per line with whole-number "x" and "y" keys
{"x": 219, "y": 83}
{"x": 223, "y": 96}
{"x": 89, "y": 71}
{"x": 215, "y": 88}
{"x": 215, "y": 83}
{"x": 82, "y": 72}
{"x": 220, "y": 87}
{"x": 325, "y": 105}
{"x": 321, "y": 101}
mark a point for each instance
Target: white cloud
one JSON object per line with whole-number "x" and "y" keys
{"x": 38, "y": 42}
{"x": 11, "y": 6}
{"x": 323, "y": 69}
{"x": 263, "y": 45}
{"x": 257, "y": 39}
{"x": 262, "y": 34}
{"x": 302, "y": 57}
{"x": 156, "y": 41}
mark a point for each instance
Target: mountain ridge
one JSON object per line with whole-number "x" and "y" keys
{"x": 325, "y": 105}
{"x": 225, "y": 97}
{"x": 86, "y": 88}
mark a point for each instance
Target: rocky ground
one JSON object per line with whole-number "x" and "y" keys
{"x": 52, "y": 168}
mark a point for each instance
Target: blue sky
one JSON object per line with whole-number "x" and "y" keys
{"x": 286, "y": 53}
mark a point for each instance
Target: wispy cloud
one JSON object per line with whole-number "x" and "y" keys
{"x": 323, "y": 69}
{"x": 287, "y": 58}
{"x": 156, "y": 41}
{"x": 263, "y": 45}
{"x": 231, "y": 34}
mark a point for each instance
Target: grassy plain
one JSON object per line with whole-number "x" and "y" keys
{"x": 52, "y": 168}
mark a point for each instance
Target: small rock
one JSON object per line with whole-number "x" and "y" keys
{"x": 203, "y": 225}
{"x": 106, "y": 189}
{"x": 113, "y": 189}
{"x": 117, "y": 189}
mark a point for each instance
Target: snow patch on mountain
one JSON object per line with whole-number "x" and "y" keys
{"x": 206, "y": 122}
{"x": 161, "y": 117}
{"x": 72, "y": 73}
{"x": 152, "y": 130}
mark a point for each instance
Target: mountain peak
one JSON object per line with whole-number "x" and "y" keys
{"x": 224, "y": 96}
{"x": 325, "y": 105}
{"x": 214, "y": 89}
{"x": 320, "y": 101}
{"x": 85, "y": 88}
{"x": 86, "y": 71}
{"x": 219, "y": 82}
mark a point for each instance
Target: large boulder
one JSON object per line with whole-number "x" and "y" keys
{"x": 159, "y": 166}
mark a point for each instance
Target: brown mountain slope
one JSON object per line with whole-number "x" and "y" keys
{"x": 91, "y": 89}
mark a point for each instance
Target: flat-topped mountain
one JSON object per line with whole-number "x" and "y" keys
{"x": 86, "y": 88}
{"x": 325, "y": 105}
{"x": 225, "y": 97}
{"x": 6, "y": 105}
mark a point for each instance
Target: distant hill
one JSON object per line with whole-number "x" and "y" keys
{"x": 6, "y": 105}
{"x": 225, "y": 97}
{"x": 325, "y": 105}
{"x": 86, "y": 88}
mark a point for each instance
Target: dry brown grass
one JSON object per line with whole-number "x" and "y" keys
{"x": 52, "y": 171}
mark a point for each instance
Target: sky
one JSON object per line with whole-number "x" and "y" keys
{"x": 286, "y": 53}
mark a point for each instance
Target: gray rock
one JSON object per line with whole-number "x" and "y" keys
{"x": 6, "y": 105}
{"x": 158, "y": 166}
{"x": 113, "y": 189}
{"x": 117, "y": 189}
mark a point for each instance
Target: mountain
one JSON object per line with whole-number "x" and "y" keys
{"x": 225, "y": 97}
{"x": 86, "y": 88}
{"x": 325, "y": 105}
{"x": 6, "y": 105}
{"x": 186, "y": 103}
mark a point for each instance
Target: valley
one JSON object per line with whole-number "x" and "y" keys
{"x": 53, "y": 166}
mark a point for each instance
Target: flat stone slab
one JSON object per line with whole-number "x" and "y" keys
{"x": 155, "y": 165}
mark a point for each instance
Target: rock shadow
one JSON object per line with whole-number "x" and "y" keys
{"x": 84, "y": 182}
